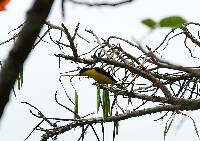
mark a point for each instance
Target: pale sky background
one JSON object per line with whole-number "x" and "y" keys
{"x": 41, "y": 71}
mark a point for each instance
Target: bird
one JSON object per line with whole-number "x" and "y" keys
{"x": 99, "y": 74}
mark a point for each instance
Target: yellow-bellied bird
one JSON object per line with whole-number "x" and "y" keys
{"x": 98, "y": 74}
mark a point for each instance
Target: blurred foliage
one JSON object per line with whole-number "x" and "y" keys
{"x": 169, "y": 22}
{"x": 172, "y": 21}
{"x": 149, "y": 23}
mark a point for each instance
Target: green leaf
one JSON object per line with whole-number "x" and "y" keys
{"x": 98, "y": 99}
{"x": 149, "y": 23}
{"x": 105, "y": 104}
{"x": 172, "y": 21}
{"x": 76, "y": 105}
{"x": 108, "y": 101}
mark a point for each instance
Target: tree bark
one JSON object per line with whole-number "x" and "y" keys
{"x": 36, "y": 17}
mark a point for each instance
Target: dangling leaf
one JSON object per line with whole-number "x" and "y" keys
{"x": 172, "y": 21}
{"x": 98, "y": 99}
{"x": 76, "y": 106}
{"x": 149, "y": 23}
{"x": 108, "y": 101}
{"x": 105, "y": 104}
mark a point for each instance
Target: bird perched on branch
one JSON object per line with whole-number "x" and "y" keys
{"x": 98, "y": 74}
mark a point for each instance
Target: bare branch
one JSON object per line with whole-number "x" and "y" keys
{"x": 157, "y": 109}
{"x": 190, "y": 36}
{"x": 71, "y": 40}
